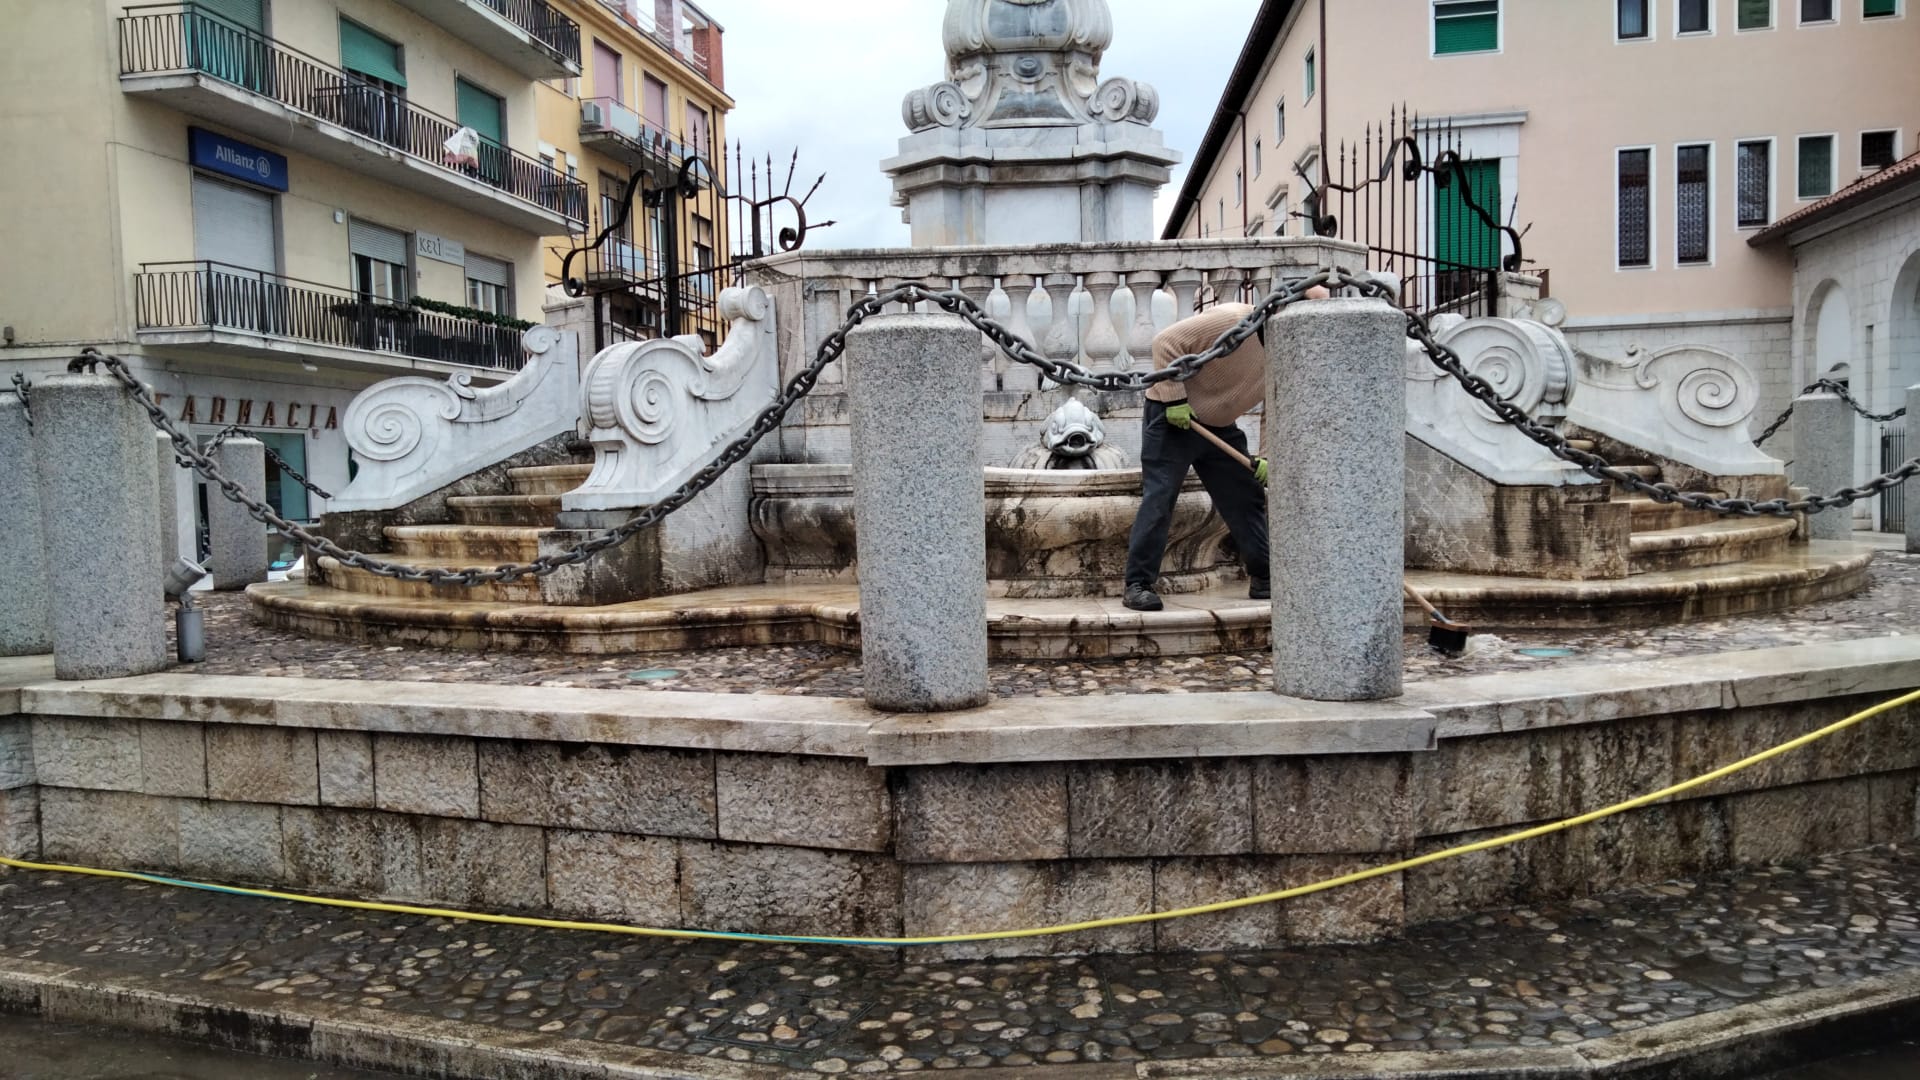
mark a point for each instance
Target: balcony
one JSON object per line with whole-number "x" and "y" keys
{"x": 206, "y": 67}
{"x": 230, "y": 309}
{"x": 526, "y": 35}
{"x": 610, "y": 128}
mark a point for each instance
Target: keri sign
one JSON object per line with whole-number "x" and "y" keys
{"x": 439, "y": 249}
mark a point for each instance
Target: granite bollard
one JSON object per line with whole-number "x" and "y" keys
{"x": 920, "y": 511}
{"x": 1913, "y": 486}
{"x": 1335, "y": 434}
{"x": 93, "y": 451}
{"x": 237, "y": 543}
{"x": 24, "y": 629}
{"x": 1823, "y": 459}
{"x": 165, "y": 470}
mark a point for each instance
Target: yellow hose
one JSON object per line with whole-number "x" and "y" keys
{"x": 1039, "y": 931}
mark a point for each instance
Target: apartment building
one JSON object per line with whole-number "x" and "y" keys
{"x": 651, "y": 103}
{"x": 1644, "y": 141}
{"x": 268, "y": 205}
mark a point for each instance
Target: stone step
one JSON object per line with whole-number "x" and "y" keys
{"x": 1583, "y": 444}
{"x": 1644, "y": 472}
{"x": 548, "y": 479}
{"x": 525, "y": 510}
{"x": 1650, "y": 516}
{"x": 1717, "y": 543}
{"x": 474, "y": 543}
{"x": 351, "y": 584}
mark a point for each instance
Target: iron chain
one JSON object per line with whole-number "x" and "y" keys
{"x": 22, "y": 387}
{"x": 1838, "y": 390}
{"x": 272, "y": 455}
{"x": 1061, "y": 371}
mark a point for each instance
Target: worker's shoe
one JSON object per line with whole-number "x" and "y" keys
{"x": 1260, "y": 589}
{"x": 1141, "y": 598}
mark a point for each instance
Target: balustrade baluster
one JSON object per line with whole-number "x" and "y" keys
{"x": 1143, "y": 284}
{"x": 1063, "y": 328}
{"x": 1019, "y": 289}
{"x": 979, "y": 289}
{"x": 1185, "y": 285}
{"x": 1103, "y": 339}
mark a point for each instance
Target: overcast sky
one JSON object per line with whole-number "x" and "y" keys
{"x": 827, "y": 76}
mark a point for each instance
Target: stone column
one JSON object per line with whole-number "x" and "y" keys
{"x": 1823, "y": 459}
{"x": 1335, "y": 434}
{"x": 1912, "y": 492}
{"x": 24, "y": 629}
{"x": 165, "y": 475}
{"x": 237, "y": 544}
{"x": 93, "y": 450}
{"x": 920, "y": 511}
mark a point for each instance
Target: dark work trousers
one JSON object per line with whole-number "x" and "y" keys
{"x": 1166, "y": 453}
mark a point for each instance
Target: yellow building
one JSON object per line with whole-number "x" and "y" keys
{"x": 651, "y": 102}
{"x": 268, "y": 205}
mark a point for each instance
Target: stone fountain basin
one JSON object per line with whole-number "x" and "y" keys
{"x": 1050, "y": 533}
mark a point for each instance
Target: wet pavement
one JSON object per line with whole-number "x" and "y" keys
{"x": 36, "y": 1050}
{"x": 237, "y": 646}
{"x": 1898, "y": 1062}
{"x": 1550, "y": 976}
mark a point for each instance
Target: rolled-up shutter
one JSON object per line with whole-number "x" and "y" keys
{"x": 364, "y": 52}
{"x": 490, "y": 271}
{"x": 247, "y": 13}
{"x": 377, "y": 242}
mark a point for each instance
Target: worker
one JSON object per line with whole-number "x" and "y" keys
{"x": 1218, "y": 395}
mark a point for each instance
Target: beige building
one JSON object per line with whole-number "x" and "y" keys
{"x": 651, "y": 100}
{"x": 271, "y": 204}
{"x": 1645, "y": 141}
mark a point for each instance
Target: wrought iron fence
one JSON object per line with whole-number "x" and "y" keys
{"x": 1893, "y": 501}
{"x": 558, "y": 33}
{"x": 185, "y": 37}
{"x": 1449, "y": 258}
{"x": 217, "y": 296}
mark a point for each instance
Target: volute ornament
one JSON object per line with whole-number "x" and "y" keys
{"x": 1025, "y": 63}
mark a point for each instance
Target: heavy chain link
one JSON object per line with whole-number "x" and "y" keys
{"x": 1840, "y": 391}
{"x": 913, "y": 294}
{"x": 272, "y": 455}
{"x": 22, "y": 386}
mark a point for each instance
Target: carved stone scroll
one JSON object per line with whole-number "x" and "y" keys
{"x": 1690, "y": 403}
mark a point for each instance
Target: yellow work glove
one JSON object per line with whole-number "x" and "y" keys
{"x": 1180, "y": 416}
{"x": 1260, "y": 469}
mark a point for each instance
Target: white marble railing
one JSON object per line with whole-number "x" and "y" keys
{"x": 657, "y": 411}
{"x": 412, "y": 435}
{"x": 1099, "y": 305}
{"x": 1690, "y": 403}
{"x": 1530, "y": 363}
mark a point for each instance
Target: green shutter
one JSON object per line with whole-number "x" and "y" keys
{"x": 1466, "y": 26}
{"x": 480, "y": 111}
{"x": 1872, "y": 9}
{"x": 1816, "y": 167}
{"x": 366, "y": 53}
{"x": 1460, "y": 237}
{"x": 247, "y": 13}
{"x": 1756, "y": 14}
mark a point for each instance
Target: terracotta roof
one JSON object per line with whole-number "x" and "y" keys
{"x": 1242, "y": 82}
{"x": 1904, "y": 171}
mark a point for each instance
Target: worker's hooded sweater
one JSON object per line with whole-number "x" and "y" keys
{"x": 1223, "y": 390}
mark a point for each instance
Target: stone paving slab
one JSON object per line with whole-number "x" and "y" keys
{"x": 1723, "y": 974}
{"x": 236, "y": 646}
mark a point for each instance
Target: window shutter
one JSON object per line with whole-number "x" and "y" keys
{"x": 1756, "y": 14}
{"x": 1816, "y": 167}
{"x": 490, "y": 271}
{"x": 1874, "y": 9}
{"x": 1466, "y": 26}
{"x": 247, "y": 13}
{"x": 366, "y": 53}
{"x": 376, "y": 242}
{"x": 480, "y": 111}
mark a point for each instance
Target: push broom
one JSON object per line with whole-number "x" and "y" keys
{"x": 1445, "y": 636}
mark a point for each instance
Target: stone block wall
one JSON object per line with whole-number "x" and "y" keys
{"x": 805, "y": 843}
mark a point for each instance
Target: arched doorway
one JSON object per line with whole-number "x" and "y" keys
{"x": 1904, "y": 320}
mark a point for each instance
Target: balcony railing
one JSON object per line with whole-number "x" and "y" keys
{"x": 215, "y": 296}
{"x": 547, "y": 26}
{"x": 184, "y": 37}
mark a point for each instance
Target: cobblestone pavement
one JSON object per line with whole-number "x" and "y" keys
{"x": 1552, "y": 975}
{"x": 237, "y": 646}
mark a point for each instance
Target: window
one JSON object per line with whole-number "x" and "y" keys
{"x": 1753, "y": 182}
{"x": 1635, "y": 213}
{"x": 1257, "y": 162}
{"x": 1879, "y": 149}
{"x": 654, "y": 102}
{"x": 1816, "y": 167}
{"x": 1879, "y": 9}
{"x": 1812, "y": 11}
{"x": 1465, "y": 26}
{"x": 1223, "y": 215}
{"x": 1693, "y": 204}
{"x": 373, "y": 101}
{"x": 1754, "y": 14}
{"x": 1239, "y": 188}
{"x": 1693, "y": 17}
{"x": 1633, "y": 22}
{"x": 1310, "y": 222}
{"x": 1280, "y": 122}
{"x": 489, "y": 284}
{"x": 1311, "y": 77}
{"x": 703, "y": 249}
{"x": 1280, "y": 217}
{"x": 379, "y": 261}
{"x": 697, "y": 132}
{"x": 607, "y": 80}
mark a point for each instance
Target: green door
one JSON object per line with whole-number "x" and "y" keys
{"x": 484, "y": 113}
{"x": 1460, "y": 236}
{"x": 227, "y": 40}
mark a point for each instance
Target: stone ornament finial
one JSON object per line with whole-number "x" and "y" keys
{"x": 1026, "y": 63}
